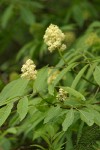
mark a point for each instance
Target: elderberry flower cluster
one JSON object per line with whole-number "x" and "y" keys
{"x": 28, "y": 70}
{"x": 54, "y": 38}
{"x": 62, "y": 95}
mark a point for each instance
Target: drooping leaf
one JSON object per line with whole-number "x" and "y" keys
{"x": 32, "y": 123}
{"x": 87, "y": 117}
{"x": 63, "y": 72}
{"x": 95, "y": 114}
{"x": 51, "y": 89}
{"x": 52, "y": 113}
{"x": 27, "y": 16}
{"x": 95, "y": 24}
{"x": 87, "y": 76}
{"x": 22, "y": 107}
{"x": 79, "y": 134}
{"x": 33, "y": 4}
{"x": 78, "y": 77}
{"x": 69, "y": 143}
{"x": 97, "y": 74}
{"x": 74, "y": 93}
{"x": 68, "y": 119}
{"x": 7, "y": 15}
{"x": 96, "y": 117}
{"x": 40, "y": 83}
{"x": 42, "y": 107}
{"x": 13, "y": 89}
{"x": 11, "y": 130}
{"x": 5, "y": 112}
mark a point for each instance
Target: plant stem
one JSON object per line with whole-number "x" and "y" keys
{"x": 62, "y": 56}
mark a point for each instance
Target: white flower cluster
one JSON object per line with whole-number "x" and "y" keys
{"x": 54, "y": 38}
{"x": 28, "y": 70}
{"x": 62, "y": 95}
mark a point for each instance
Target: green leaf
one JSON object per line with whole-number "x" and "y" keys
{"x": 63, "y": 72}
{"x": 67, "y": 56}
{"x": 33, "y": 4}
{"x": 79, "y": 133}
{"x": 95, "y": 114}
{"x": 42, "y": 108}
{"x": 68, "y": 119}
{"x": 74, "y": 93}
{"x": 40, "y": 83}
{"x": 78, "y": 15}
{"x": 96, "y": 107}
{"x": 87, "y": 76}
{"x": 11, "y": 130}
{"x": 38, "y": 146}
{"x": 96, "y": 117}
{"x": 6, "y": 16}
{"x": 95, "y": 24}
{"x": 27, "y": 16}
{"x": 69, "y": 139}
{"x": 5, "y": 112}
{"x": 97, "y": 74}
{"x": 32, "y": 122}
{"x": 13, "y": 89}
{"x": 78, "y": 77}
{"x": 87, "y": 117}
{"x": 52, "y": 113}
{"x": 5, "y": 144}
{"x": 22, "y": 107}
{"x": 51, "y": 89}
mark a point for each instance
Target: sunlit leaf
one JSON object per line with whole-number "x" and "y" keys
{"x": 13, "y": 89}
{"x": 87, "y": 117}
{"x": 78, "y": 77}
{"x": 40, "y": 83}
{"x": 97, "y": 74}
{"x": 68, "y": 120}
{"x": 74, "y": 93}
{"x": 5, "y": 112}
{"x": 22, "y": 107}
{"x": 52, "y": 113}
{"x": 63, "y": 72}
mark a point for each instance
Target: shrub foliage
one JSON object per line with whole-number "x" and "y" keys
{"x": 60, "y": 108}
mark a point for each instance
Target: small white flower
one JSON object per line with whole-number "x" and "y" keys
{"x": 63, "y": 47}
{"x": 28, "y": 70}
{"x": 62, "y": 95}
{"x": 54, "y": 38}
